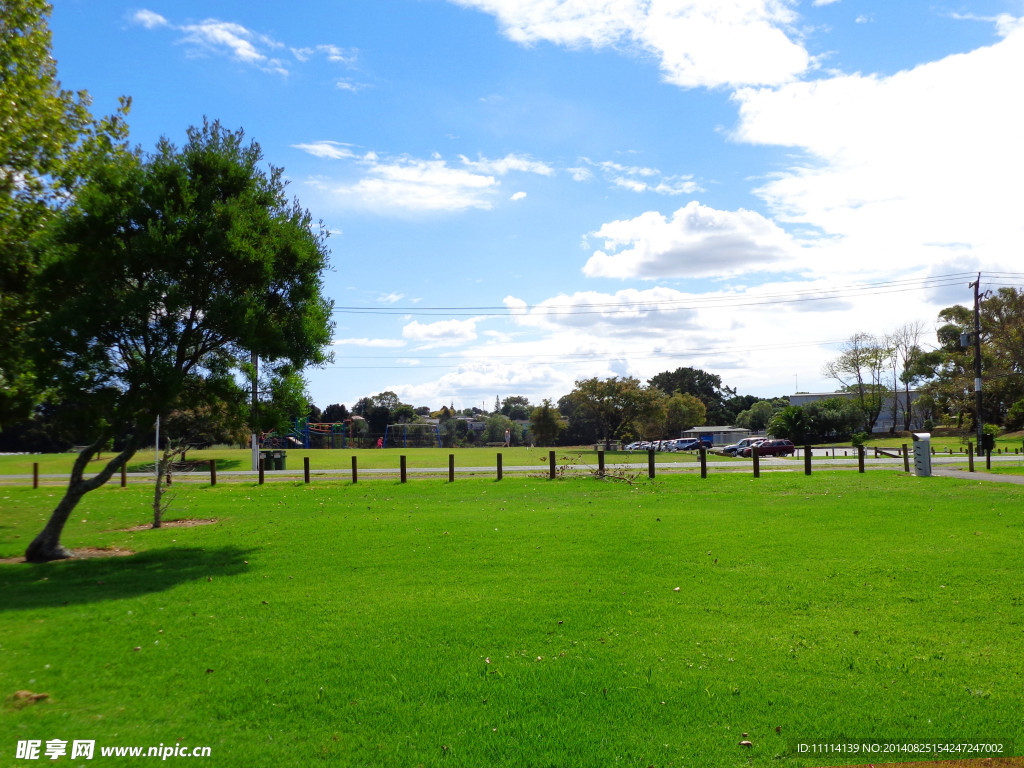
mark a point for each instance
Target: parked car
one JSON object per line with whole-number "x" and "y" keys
{"x": 771, "y": 448}
{"x": 749, "y": 447}
{"x": 776, "y": 448}
{"x": 686, "y": 444}
{"x": 736, "y": 448}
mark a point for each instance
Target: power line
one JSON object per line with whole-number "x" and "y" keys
{"x": 572, "y": 357}
{"x": 671, "y": 305}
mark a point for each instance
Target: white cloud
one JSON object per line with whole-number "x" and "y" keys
{"x": 149, "y": 19}
{"x": 236, "y": 41}
{"x": 393, "y": 185}
{"x": 333, "y": 150}
{"x": 697, "y": 241}
{"x": 699, "y": 43}
{"x": 242, "y": 44}
{"x": 637, "y": 178}
{"x": 364, "y": 342}
{"x": 906, "y": 169}
{"x": 503, "y": 166}
{"x": 443, "y": 333}
{"x": 419, "y": 185}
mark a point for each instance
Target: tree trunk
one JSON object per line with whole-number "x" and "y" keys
{"x": 46, "y": 546}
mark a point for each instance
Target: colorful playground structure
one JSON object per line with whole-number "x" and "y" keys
{"x": 337, "y": 433}
{"x": 341, "y": 434}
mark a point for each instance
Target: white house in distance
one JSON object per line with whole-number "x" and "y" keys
{"x": 885, "y": 416}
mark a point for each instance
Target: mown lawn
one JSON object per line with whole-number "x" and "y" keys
{"x": 523, "y": 623}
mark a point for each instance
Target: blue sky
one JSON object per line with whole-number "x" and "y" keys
{"x": 523, "y": 193}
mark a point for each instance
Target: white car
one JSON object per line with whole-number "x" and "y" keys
{"x": 736, "y": 449}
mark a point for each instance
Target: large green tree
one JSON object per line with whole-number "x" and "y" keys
{"x": 615, "y": 404}
{"x": 166, "y": 268}
{"x": 545, "y": 423}
{"x": 47, "y": 141}
{"x": 706, "y": 387}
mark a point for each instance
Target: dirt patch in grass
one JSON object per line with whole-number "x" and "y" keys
{"x": 170, "y": 524}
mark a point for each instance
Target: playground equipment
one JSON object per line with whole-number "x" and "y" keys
{"x": 412, "y": 436}
{"x": 338, "y": 433}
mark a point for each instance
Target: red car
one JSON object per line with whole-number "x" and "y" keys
{"x": 773, "y": 448}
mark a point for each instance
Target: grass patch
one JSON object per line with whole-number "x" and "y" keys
{"x": 524, "y": 623}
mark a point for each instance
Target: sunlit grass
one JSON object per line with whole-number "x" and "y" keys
{"x": 526, "y": 622}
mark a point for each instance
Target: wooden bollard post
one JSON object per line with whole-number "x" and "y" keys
{"x": 451, "y": 467}
{"x": 213, "y": 471}
{"x": 262, "y": 469}
{"x": 35, "y": 474}
{"x": 551, "y": 465}
{"x": 703, "y": 463}
{"x": 756, "y": 457}
{"x": 988, "y": 459}
{"x": 860, "y": 458}
{"x": 970, "y": 456}
{"x": 600, "y": 463}
{"x": 650, "y": 463}
{"x": 305, "y": 469}
{"x": 402, "y": 471}
{"x": 500, "y": 475}
{"x": 807, "y": 459}
{"x": 906, "y": 459}
{"x": 355, "y": 471}
{"x": 124, "y": 475}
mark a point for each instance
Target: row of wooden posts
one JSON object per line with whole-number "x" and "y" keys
{"x": 553, "y": 466}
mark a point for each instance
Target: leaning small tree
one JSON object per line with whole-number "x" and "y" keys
{"x": 167, "y": 268}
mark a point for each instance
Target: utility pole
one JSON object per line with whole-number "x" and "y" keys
{"x": 255, "y": 442}
{"x": 977, "y": 360}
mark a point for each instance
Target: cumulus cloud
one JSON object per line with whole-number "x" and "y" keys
{"x": 393, "y": 185}
{"x": 443, "y": 333}
{"x": 700, "y": 43}
{"x": 697, "y": 241}
{"x": 901, "y": 169}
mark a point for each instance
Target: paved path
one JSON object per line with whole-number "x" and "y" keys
{"x": 963, "y": 474}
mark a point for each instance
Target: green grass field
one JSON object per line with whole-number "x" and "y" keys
{"x": 523, "y": 623}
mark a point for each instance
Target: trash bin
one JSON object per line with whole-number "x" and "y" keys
{"x": 279, "y": 460}
{"x": 922, "y": 454}
{"x": 267, "y": 457}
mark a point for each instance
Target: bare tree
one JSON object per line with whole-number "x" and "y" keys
{"x": 905, "y": 346}
{"x": 859, "y": 369}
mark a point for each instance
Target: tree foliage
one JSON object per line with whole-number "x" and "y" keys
{"x": 48, "y": 143}
{"x": 614, "y": 404}
{"x": 706, "y": 387}
{"x": 860, "y": 369}
{"x": 948, "y": 371}
{"x": 166, "y": 269}
{"x": 546, "y": 423}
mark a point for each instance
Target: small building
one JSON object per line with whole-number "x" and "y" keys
{"x": 891, "y": 407}
{"x": 719, "y": 435}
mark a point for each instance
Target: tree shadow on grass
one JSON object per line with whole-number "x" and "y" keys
{"x": 77, "y": 582}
